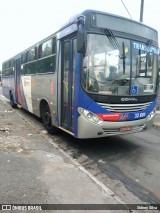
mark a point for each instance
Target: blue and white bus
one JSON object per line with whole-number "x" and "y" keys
{"x": 97, "y": 76}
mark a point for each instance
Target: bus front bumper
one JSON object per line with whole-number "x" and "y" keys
{"x": 87, "y": 129}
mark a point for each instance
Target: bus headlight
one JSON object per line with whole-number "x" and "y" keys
{"x": 151, "y": 114}
{"x": 90, "y": 116}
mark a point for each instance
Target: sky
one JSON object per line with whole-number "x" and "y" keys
{"x": 26, "y": 22}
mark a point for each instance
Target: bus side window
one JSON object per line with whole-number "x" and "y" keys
{"x": 47, "y": 48}
{"x": 23, "y": 69}
{"x": 30, "y": 68}
{"x": 54, "y": 46}
{"x": 23, "y": 61}
{"x": 28, "y": 60}
{"x": 47, "y": 57}
{"x": 23, "y": 58}
{"x": 31, "y": 54}
{"x": 8, "y": 69}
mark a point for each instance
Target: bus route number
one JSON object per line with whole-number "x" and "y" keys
{"x": 140, "y": 115}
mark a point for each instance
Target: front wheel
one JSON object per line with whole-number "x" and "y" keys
{"x": 47, "y": 121}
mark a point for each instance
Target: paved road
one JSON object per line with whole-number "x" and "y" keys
{"x": 123, "y": 163}
{"x": 126, "y": 164}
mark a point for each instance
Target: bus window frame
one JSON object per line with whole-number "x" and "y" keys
{"x": 53, "y": 53}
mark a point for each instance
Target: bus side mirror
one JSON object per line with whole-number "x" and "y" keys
{"x": 81, "y": 41}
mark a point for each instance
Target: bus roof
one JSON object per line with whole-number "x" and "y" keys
{"x": 73, "y": 18}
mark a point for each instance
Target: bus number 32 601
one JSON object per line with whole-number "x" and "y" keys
{"x": 140, "y": 115}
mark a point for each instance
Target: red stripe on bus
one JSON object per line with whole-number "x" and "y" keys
{"x": 18, "y": 94}
{"x": 110, "y": 117}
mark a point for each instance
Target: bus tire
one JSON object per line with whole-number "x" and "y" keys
{"x": 47, "y": 122}
{"x": 13, "y": 105}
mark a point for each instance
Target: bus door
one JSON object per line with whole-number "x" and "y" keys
{"x": 17, "y": 79}
{"x": 67, "y": 83}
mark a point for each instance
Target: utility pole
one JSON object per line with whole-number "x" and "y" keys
{"x": 141, "y": 11}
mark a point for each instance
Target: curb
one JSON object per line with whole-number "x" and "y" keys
{"x": 156, "y": 124}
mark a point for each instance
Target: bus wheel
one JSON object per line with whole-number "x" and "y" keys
{"x": 46, "y": 118}
{"x": 13, "y": 105}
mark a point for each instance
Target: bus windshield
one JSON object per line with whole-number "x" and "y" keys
{"x": 105, "y": 71}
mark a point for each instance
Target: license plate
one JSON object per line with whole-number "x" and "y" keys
{"x": 125, "y": 128}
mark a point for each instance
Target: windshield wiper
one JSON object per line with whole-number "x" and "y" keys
{"x": 115, "y": 43}
{"x": 116, "y": 46}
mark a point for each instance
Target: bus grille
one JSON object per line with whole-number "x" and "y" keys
{"x": 116, "y": 131}
{"x": 125, "y": 107}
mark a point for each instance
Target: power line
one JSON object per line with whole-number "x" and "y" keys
{"x": 126, "y": 9}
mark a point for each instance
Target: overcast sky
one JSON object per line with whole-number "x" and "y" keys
{"x": 25, "y": 22}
